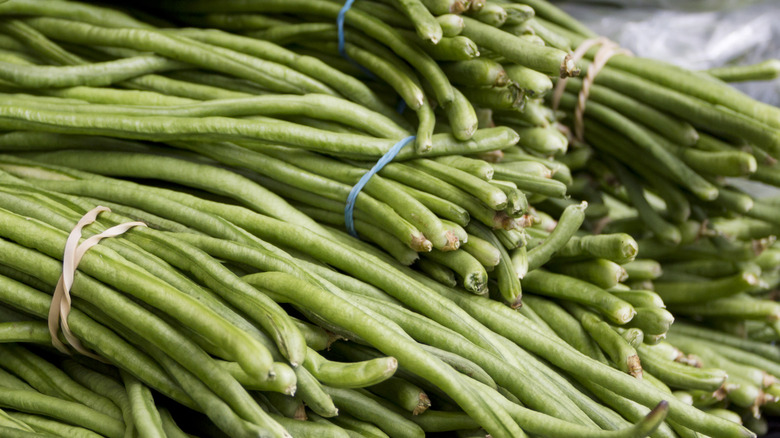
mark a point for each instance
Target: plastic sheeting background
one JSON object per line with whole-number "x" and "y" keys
{"x": 696, "y": 34}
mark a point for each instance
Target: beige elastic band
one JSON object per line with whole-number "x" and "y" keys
{"x": 61, "y": 302}
{"x": 608, "y": 49}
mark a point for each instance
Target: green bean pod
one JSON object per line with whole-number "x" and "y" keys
{"x": 569, "y": 223}
{"x": 490, "y": 195}
{"x": 474, "y": 167}
{"x": 686, "y": 292}
{"x": 601, "y": 272}
{"x": 566, "y": 326}
{"x": 439, "y": 7}
{"x": 613, "y": 344}
{"x": 349, "y": 375}
{"x": 479, "y": 72}
{"x": 427, "y": 26}
{"x": 469, "y": 269}
{"x": 146, "y": 418}
{"x": 561, "y": 286}
{"x": 438, "y": 272}
{"x": 451, "y": 24}
{"x": 533, "y": 83}
{"x": 491, "y": 14}
{"x": 484, "y": 251}
{"x": 549, "y": 61}
{"x": 457, "y": 48}
{"x": 518, "y": 13}
{"x": 763, "y": 71}
{"x": 651, "y": 320}
{"x": 364, "y": 407}
{"x": 733, "y": 308}
{"x": 509, "y": 285}
{"x": 49, "y": 427}
{"x": 404, "y": 394}
{"x": 71, "y": 412}
{"x": 678, "y": 375}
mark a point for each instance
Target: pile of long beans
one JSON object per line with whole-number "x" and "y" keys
{"x": 508, "y": 280}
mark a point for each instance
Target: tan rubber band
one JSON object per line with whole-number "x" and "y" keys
{"x": 608, "y": 49}
{"x": 61, "y": 302}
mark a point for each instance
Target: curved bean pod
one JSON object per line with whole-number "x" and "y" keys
{"x": 145, "y": 416}
{"x": 95, "y": 75}
{"x": 349, "y": 375}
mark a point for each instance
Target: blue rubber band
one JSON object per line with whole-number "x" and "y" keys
{"x": 386, "y": 158}
{"x": 342, "y": 41}
{"x": 340, "y": 24}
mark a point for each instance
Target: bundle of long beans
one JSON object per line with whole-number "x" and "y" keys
{"x": 485, "y": 296}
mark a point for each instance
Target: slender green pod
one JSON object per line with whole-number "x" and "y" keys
{"x": 428, "y": 28}
{"x": 103, "y": 385}
{"x": 601, "y": 272}
{"x": 561, "y": 286}
{"x": 438, "y": 272}
{"x": 651, "y": 320}
{"x": 613, "y": 344}
{"x": 439, "y": 7}
{"x": 478, "y": 168}
{"x": 364, "y": 407}
{"x": 530, "y": 184}
{"x": 483, "y": 250}
{"x": 621, "y": 248}
{"x": 489, "y": 194}
{"x": 49, "y": 427}
{"x": 468, "y": 268}
{"x": 639, "y": 298}
{"x": 451, "y": 24}
{"x": 643, "y": 269}
{"x": 146, "y": 418}
{"x": 763, "y": 71}
{"x": 404, "y": 394}
{"x": 349, "y": 375}
{"x": 769, "y": 352}
{"x": 491, "y": 14}
{"x": 509, "y": 286}
{"x": 50, "y": 380}
{"x": 547, "y": 60}
{"x": 95, "y": 75}
{"x": 24, "y": 331}
{"x": 461, "y": 115}
{"x": 738, "y": 307}
{"x": 569, "y": 223}
{"x": 543, "y": 140}
{"x": 566, "y": 326}
{"x": 71, "y": 412}
{"x": 457, "y": 48}
{"x": 479, "y": 72}
{"x": 688, "y": 292}
{"x": 533, "y": 83}
{"x": 678, "y": 375}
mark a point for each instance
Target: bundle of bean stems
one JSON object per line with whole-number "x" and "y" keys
{"x": 508, "y": 279}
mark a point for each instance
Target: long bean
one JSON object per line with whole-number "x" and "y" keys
{"x": 290, "y": 286}
{"x": 44, "y": 425}
{"x": 142, "y": 321}
{"x": 107, "y": 343}
{"x": 50, "y": 380}
{"x": 547, "y": 60}
{"x": 71, "y": 412}
{"x": 144, "y": 285}
{"x": 145, "y": 416}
